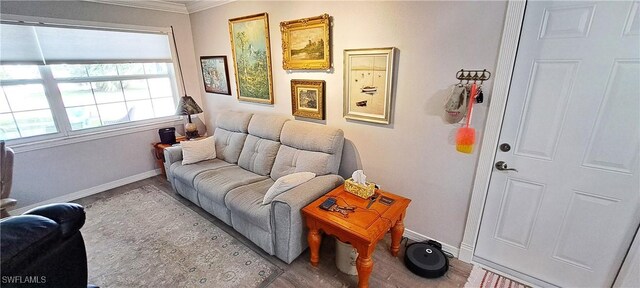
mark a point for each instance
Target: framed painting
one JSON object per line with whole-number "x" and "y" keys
{"x": 215, "y": 74}
{"x": 368, "y": 84}
{"x": 305, "y": 43}
{"x": 252, "y": 57}
{"x": 307, "y": 98}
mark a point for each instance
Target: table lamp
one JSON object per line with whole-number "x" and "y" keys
{"x": 187, "y": 105}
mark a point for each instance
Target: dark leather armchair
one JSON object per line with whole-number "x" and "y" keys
{"x": 44, "y": 248}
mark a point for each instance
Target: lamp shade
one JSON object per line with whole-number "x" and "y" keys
{"x": 187, "y": 106}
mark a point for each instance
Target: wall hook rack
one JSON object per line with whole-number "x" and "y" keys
{"x": 473, "y": 75}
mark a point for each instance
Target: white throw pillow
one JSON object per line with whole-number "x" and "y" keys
{"x": 285, "y": 183}
{"x": 194, "y": 151}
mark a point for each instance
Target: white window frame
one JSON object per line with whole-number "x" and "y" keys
{"x": 65, "y": 134}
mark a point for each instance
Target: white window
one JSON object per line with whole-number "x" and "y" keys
{"x": 59, "y": 81}
{"x": 24, "y": 109}
{"x": 104, "y": 94}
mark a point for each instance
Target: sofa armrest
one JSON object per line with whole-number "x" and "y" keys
{"x": 34, "y": 245}
{"x": 172, "y": 154}
{"x": 26, "y": 236}
{"x": 69, "y": 216}
{"x": 286, "y": 218}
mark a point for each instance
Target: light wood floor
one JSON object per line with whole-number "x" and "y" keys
{"x": 388, "y": 271}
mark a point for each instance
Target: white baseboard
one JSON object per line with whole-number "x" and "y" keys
{"x": 90, "y": 191}
{"x": 419, "y": 238}
{"x": 466, "y": 253}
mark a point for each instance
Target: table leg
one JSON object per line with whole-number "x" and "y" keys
{"x": 396, "y": 236}
{"x": 314, "y": 239}
{"x": 364, "y": 265}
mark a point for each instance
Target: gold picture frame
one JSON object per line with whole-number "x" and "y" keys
{"x": 306, "y": 43}
{"x": 250, "y": 47}
{"x": 368, "y": 84}
{"x": 307, "y": 98}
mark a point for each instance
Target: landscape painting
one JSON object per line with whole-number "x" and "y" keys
{"x": 252, "y": 57}
{"x": 368, "y": 84}
{"x": 305, "y": 43}
{"x": 215, "y": 74}
{"x": 307, "y": 98}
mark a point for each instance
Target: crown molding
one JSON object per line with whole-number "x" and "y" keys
{"x": 197, "y": 6}
{"x": 167, "y": 6}
{"x": 151, "y": 5}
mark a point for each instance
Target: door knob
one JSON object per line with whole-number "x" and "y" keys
{"x": 502, "y": 166}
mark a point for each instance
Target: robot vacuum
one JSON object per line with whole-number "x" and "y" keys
{"x": 426, "y": 259}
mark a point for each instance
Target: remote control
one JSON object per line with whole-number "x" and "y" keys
{"x": 386, "y": 200}
{"x": 326, "y": 205}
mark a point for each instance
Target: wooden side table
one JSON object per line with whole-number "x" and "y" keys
{"x": 363, "y": 228}
{"x": 158, "y": 152}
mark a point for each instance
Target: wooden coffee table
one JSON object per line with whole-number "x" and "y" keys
{"x": 362, "y": 229}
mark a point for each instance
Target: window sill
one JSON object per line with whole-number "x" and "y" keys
{"x": 94, "y": 135}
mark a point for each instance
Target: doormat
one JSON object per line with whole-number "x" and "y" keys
{"x": 481, "y": 278}
{"x": 145, "y": 238}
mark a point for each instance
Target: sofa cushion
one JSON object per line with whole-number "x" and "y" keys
{"x": 246, "y": 202}
{"x": 230, "y": 133}
{"x": 312, "y": 137}
{"x": 194, "y": 151}
{"x": 290, "y": 160}
{"x": 261, "y": 146}
{"x": 228, "y": 144}
{"x": 216, "y": 183}
{"x": 233, "y": 121}
{"x": 186, "y": 173}
{"x": 308, "y": 147}
{"x": 285, "y": 183}
{"x": 258, "y": 155}
{"x": 267, "y": 126}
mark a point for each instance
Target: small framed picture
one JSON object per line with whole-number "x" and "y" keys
{"x": 368, "y": 84}
{"x": 307, "y": 98}
{"x": 305, "y": 43}
{"x": 215, "y": 74}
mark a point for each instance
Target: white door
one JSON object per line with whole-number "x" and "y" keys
{"x": 569, "y": 214}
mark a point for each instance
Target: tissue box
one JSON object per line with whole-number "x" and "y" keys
{"x": 363, "y": 191}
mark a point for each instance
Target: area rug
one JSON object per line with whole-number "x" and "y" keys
{"x": 145, "y": 238}
{"x": 481, "y": 278}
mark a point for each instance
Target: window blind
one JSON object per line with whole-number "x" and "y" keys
{"x": 19, "y": 44}
{"x": 58, "y": 45}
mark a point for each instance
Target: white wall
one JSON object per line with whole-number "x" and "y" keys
{"x": 414, "y": 156}
{"x": 54, "y": 172}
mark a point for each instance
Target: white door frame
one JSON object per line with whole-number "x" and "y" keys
{"x": 506, "y": 60}
{"x": 504, "y": 70}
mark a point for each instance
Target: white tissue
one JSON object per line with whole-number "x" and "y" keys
{"x": 359, "y": 177}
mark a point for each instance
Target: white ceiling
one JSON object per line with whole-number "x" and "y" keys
{"x": 178, "y": 6}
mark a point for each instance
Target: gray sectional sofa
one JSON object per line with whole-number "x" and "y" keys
{"x": 252, "y": 151}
